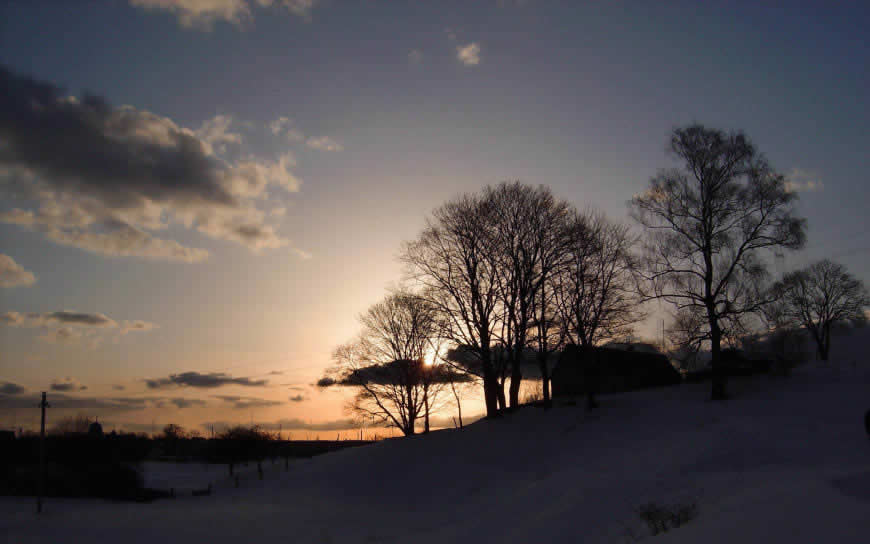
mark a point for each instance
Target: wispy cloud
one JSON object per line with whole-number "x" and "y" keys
{"x": 298, "y": 398}
{"x": 13, "y": 274}
{"x": 799, "y": 180}
{"x": 203, "y": 14}
{"x": 245, "y": 403}
{"x": 200, "y": 14}
{"x": 469, "y": 55}
{"x": 202, "y": 380}
{"x": 324, "y": 143}
{"x": 284, "y": 125}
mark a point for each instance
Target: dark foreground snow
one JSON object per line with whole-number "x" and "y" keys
{"x": 785, "y": 461}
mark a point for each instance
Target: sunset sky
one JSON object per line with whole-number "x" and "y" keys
{"x": 200, "y": 196}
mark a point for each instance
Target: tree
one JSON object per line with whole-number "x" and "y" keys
{"x": 820, "y": 296}
{"x": 707, "y": 223}
{"x": 386, "y": 363}
{"x": 595, "y": 290}
{"x": 451, "y": 261}
{"x": 528, "y": 246}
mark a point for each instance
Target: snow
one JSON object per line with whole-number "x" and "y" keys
{"x": 786, "y": 460}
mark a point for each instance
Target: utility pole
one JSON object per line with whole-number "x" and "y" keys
{"x": 43, "y": 405}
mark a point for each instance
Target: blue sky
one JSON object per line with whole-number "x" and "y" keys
{"x": 386, "y": 120}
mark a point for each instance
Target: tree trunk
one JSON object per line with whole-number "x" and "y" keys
{"x": 718, "y": 382}
{"x": 516, "y": 380}
{"x": 490, "y": 389}
{"x": 426, "y": 407}
{"x": 502, "y": 404}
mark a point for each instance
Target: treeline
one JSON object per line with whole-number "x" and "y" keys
{"x": 512, "y": 274}
{"x": 88, "y": 463}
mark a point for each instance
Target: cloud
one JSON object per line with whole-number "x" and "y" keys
{"x": 284, "y": 125}
{"x": 67, "y": 385}
{"x": 200, "y": 14}
{"x": 9, "y": 388}
{"x": 61, "y": 401}
{"x": 118, "y": 387}
{"x": 65, "y": 317}
{"x": 298, "y": 398}
{"x": 207, "y": 380}
{"x": 203, "y": 14}
{"x": 244, "y": 403}
{"x": 186, "y": 403}
{"x": 324, "y": 143}
{"x": 13, "y": 274}
{"x": 293, "y": 424}
{"x": 138, "y": 325}
{"x": 469, "y": 55}
{"x": 105, "y": 179}
{"x": 802, "y": 181}
{"x": 216, "y": 133}
{"x": 415, "y": 56}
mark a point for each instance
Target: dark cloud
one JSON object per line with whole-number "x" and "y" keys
{"x": 118, "y": 387}
{"x": 243, "y": 403}
{"x": 298, "y": 398}
{"x": 186, "y": 403}
{"x": 61, "y": 401}
{"x": 207, "y": 380}
{"x": 9, "y": 388}
{"x": 67, "y": 385}
{"x": 103, "y": 177}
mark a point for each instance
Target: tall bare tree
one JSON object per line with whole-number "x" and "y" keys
{"x": 527, "y": 246}
{"x": 595, "y": 289}
{"x": 452, "y": 263}
{"x": 820, "y": 296}
{"x": 706, "y": 224}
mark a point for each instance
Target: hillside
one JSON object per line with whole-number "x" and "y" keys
{"x": 784, "y": 461}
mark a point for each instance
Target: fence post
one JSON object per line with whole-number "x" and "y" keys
{"x": 43, "y": 405}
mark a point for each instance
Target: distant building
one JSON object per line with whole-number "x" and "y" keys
{"x": 95, "y": 429}
{"x": 613, "y": 370}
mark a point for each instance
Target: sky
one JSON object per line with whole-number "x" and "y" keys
{"x": 220, "y": 187}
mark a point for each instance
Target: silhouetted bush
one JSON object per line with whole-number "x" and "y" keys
{"x": 77, "y": 465}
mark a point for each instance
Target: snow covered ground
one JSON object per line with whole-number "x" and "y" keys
{"x": 784, "y": 461}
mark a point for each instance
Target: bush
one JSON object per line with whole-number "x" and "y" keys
{"x": 660, "y": 519}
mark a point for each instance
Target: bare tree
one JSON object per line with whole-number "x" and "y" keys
{"x": 595, "y": 291}
{"x": 529, "y": 245}
{"x": 386, "y": 363}
{"x": 452, "y": 262}
{"x": 706, "y": 224}
{"x": 820, "y": 296}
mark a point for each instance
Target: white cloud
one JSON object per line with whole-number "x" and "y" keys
{"x": 13, "y": 274}
{"x": 802, "y": 181}
{"x": 324, "y": 143}
{"x": 469, "y": 55}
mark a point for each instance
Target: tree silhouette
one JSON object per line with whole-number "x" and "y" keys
{"x": 820, "y": 296}
{"x": 386, "y": 363}
{"x": 706, "y": 224}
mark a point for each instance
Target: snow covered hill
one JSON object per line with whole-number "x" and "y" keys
{"x": 787, "y": 460}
